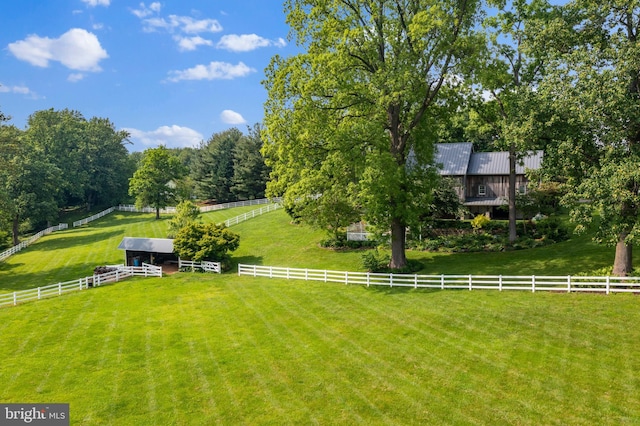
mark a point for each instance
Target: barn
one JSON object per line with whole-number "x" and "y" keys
{"x": 155, "y": 251}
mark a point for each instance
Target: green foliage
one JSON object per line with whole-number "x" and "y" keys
{"x": 154, "y": 183}
{"x": 208, "y": 241}
{"x": 369, "y": 88}
{"x": 90, "y": 154}
{"x": 213, "y": 166}
{"x": 186, "y": 213}
{"x": 376, "y": 260}
{"x": 479, "y": 222}
{"x": 250, "y": 173}
{"x": 593, "y": 92}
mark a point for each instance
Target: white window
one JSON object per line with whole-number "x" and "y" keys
{"x": 482, "y": 190}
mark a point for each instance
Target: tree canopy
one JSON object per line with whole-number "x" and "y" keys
{"x": 154, "y": 183}
{"x": 345, "y": 114}
{"x": 594, "y": 91}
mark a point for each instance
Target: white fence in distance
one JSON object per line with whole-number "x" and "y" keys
{"x": 249, "y": 215}
{"x": 59, "y": 289}
{"x": 94, "y": 217}
{"x": 205, "y": 266}
{"x": 26, "y": 243}
{"x": 203, "y": 209}
{"x": 532, "y": 283}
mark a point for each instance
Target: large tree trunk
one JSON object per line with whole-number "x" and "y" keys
{"x": 398, "y": 239}
{"x": 623, "y": 263}
{"x": 16, "y": 230}
{"x": 513, "y": 233}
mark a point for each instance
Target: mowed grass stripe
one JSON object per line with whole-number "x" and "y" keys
{"x": 288, "y": 348}
{"x": 342, "y": 342}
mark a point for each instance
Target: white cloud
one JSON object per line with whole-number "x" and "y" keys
{"x": 75, "y": 77}
{"x": 94, "y": 3}
{"x": 191, "y": 43}
{"x": 183, "y": 24}
{"x": 186, "y": 28}
{"x": 145, "y": 11}
{"x": 213, "y": 71}
{"x": 170, "y": 136}
{"x": 247, "y": 42}
{"x": 21, "y": 90}
{"x": 231, "y": 117}
{"x": 77, "y": 49}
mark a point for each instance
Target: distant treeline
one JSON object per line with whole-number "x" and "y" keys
{"x": 63, "y": 161}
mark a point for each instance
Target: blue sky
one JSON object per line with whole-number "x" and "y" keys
{"x": 169, "y": 73}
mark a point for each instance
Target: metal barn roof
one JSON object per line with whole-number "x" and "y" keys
{"x": 152, "y": 245}
{"x": 497, "y": 163}
{"x": 454, "y": 158}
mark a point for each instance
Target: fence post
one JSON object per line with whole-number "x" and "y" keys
{"x": 346, "y": 277}
{"x": 568, "y": 283}
{"x": 533, "y": 283}
{"x": 38, "y": 293}
{"x": 15, "y": 298}
{"x": 368, "y": 278}
{"x": 79, "y": 284}
{"x": 59, "y": 288}
{"x": 500, "y": 282}
{"x": 415, "y": 280}
{"x": 391, "y": 280}
{"x": 442, "y": 282}
{"x": 270, "y": 271}
{"x": 608, "y": 283}
{"x": 470, "y": 282}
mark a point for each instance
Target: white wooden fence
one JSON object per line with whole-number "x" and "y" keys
{"x": 567, "y": 283}
{"x": 205, "y": 266}
{"x": 13, "y": 250}
{"x": 94, "y": 217}
{"x": 253, "y": 213}
{"x": 59, "y": 289}
{"x": 203, "y": 209}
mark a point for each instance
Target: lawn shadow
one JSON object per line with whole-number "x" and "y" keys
{"x": 388, "y": 290}
{"x": 70, "y": 239}
{"x": 246, "y": 260}
{"x": 29, "y": 280}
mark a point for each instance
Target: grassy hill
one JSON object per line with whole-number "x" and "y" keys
{"x": 222, "y": 349}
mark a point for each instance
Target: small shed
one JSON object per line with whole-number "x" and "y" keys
{"x": 155, "y": 251}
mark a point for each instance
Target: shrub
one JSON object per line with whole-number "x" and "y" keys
{"x": 480, "y": 222}
{"x": 375, "y": 261}
{"x": 198, "y": 242}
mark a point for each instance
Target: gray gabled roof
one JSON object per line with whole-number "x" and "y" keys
{"x": 152, "y": 245}
{"x": 497, "y": 163}
{"x": 453, "y": 157}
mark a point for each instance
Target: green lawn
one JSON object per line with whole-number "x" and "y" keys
{"x": 221, "y": 349}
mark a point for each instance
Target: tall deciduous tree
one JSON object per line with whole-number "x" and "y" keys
{"x": 595, "y": 89}
{"x": 90, "y": 154}
{"x": 154, "y": 183}
{"x": 30, "y": 185}
{"x": 368, "y": 89}
{"x": 509, "y": 74}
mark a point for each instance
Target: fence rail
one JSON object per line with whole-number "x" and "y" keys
{"x": 61, "y": 288}
{"x": 205, "y": 266}
{"x": 531, "y": 283}
{"x": 94, "y": 217}
{"x": 249, "y": 215}
{"x": 203, "y": 209}
{"x": 26, "y": 243}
